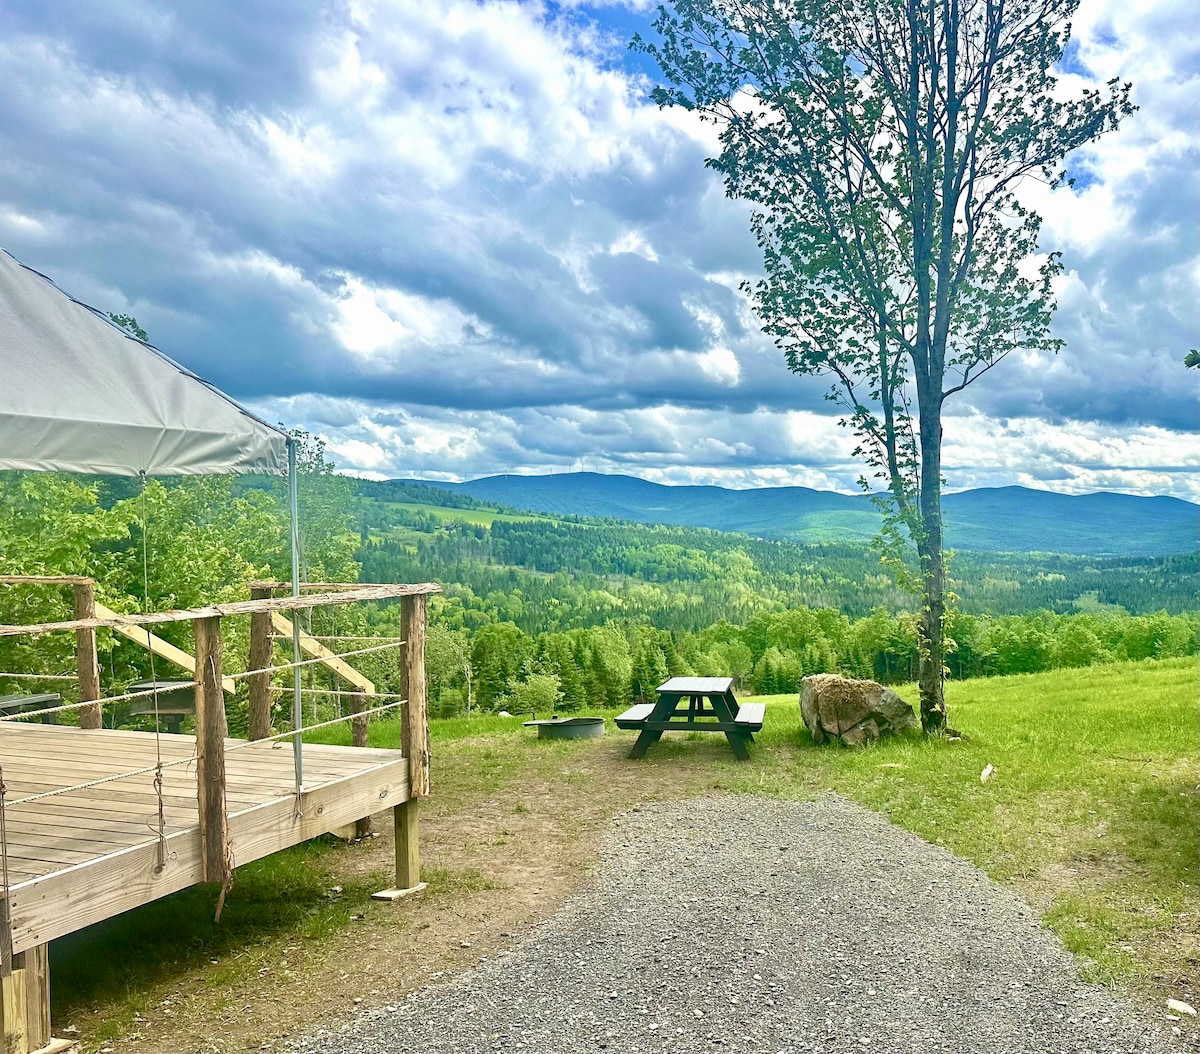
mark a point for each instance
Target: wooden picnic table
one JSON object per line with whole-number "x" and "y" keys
{"x": 176, "y": 700}
{"x": 694, "y": 704}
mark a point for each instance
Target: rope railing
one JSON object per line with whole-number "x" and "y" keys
{"x": 310, "y": 662}
{"x": 311, "y": 636}
{"x": 141, "y": 693}
{"x": 145, "y": 692}
{"x": 89, "y": 784}
{"x": 343, "y": 691}
{"x": 320, "y": 724}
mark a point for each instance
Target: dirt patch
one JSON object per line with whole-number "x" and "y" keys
{"x": 502, "y": 847}
{"x": 1175, "y": 947}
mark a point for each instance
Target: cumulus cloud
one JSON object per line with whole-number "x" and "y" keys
{"x": 456, "y": 238}
{"x": 1128, "y": 303}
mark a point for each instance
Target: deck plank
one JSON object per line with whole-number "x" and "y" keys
{"x": 79, "y": 857}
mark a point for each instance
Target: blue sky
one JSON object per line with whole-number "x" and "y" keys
{"x": 456, "y": 239}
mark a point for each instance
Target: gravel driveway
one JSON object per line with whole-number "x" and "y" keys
{"x": 748, "y": 924}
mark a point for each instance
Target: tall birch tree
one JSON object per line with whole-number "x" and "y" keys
{"x": 883, "y": 144}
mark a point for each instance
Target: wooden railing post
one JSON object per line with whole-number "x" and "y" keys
{"x": 414, "y": 736}
{"x": 85, "y": 655}
{"x": 358, "y": 727}
{"x": 260, "y": 658}
{"x": 210, "y": 751}
{"x": 358, "y": 738}
{"x": 414, "y": 740}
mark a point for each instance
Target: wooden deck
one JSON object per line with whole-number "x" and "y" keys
{"x": 80, "y": 857}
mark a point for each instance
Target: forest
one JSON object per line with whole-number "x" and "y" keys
{"x": 542, "y": 613}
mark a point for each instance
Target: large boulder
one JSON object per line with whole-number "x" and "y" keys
{"x": 855, "y": 712}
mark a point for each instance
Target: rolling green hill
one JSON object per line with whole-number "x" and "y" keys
{"x": 1006, "y": 519}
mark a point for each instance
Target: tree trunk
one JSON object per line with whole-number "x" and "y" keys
{"x": 933, "y": 700}
{"x": 930, "y": 644}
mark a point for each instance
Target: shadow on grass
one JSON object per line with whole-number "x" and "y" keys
{"x": 288, "y": 893}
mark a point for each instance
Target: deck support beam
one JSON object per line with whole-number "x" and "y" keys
{"x": 408, "y": 845}
{"x": 25, "y": 1010}
{"x": 211, "y": 731}
{"x": 85, "y": 654}
{"x": 408, "y": 853}
{"x": 260, "y": 659}
{"x": 414, "y": 741}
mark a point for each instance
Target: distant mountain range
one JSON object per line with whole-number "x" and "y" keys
{"x": 1003, "y": 519}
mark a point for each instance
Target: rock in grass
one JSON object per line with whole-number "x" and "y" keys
{"x": 856, "y": 712}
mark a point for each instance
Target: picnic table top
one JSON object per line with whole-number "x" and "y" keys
{"x": 22, "y": 701}
{"x": 696, "y": 685}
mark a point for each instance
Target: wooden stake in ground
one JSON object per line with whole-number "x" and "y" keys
{"x": 358, "y": 737}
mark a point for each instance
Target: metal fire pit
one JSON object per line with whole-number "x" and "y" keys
{"x": 568, "y": 727}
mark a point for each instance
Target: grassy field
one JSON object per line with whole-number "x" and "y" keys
{"x": 479, "y": 517}
{"x": 1093, "y": 815}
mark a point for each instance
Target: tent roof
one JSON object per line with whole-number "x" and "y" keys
{"x": 79, "y": 394}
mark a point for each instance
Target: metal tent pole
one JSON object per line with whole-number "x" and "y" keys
{"x": 297, "y": 700}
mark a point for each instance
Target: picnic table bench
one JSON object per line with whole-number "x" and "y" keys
{"x": 694, "y": 704}
{"x": 18, "y": 704}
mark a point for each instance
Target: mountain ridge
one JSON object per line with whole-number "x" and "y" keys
{"x": 996, "y": 519}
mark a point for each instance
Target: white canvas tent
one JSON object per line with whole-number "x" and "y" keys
{"x": 79, "y": 394}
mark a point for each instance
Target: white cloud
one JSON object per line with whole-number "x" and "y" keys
{"x": 722, "y": 365}
{"x": 456, "y": 239}
{"x": 673, "y": 444}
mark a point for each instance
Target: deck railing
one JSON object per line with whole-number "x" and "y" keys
{"x": 211, "y": 680}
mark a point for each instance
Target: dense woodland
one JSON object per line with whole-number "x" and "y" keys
{"x": 565, "y": 613}
{"x": 685, "y": 578}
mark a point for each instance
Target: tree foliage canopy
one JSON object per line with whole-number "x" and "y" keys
{"x": 883, "y": 144}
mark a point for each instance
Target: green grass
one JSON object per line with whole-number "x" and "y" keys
{"x": 1093, "y": 812}
{"x": 478, "y": 517}
{"x": 1093, "y": 815}
{"x": 385, "y": 732}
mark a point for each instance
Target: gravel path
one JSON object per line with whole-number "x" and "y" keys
{"x": 746, "y": 924}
